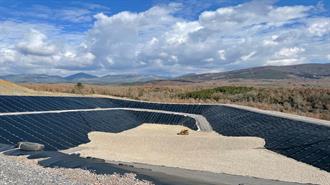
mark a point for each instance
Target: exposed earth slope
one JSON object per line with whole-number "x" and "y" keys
{"x": 9, "y": 88}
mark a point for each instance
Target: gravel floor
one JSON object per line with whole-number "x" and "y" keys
{"x": 19, "y": 170}
{"x": 207, "y": 151}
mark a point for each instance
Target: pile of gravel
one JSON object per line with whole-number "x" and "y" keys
{"x": 19, "y": 170}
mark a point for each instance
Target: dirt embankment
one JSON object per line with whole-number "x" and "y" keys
{"x": 8, "y": 88}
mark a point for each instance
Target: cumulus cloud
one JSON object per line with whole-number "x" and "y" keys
{"x": 35, "y": 44}
{"x": 27, "y": 49}
{"x": 159, "y": 42}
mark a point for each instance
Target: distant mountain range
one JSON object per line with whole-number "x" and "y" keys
{"x": 80, "y": 77}
{"x": 33, "y": 78}
{"x": 303, "y": 71}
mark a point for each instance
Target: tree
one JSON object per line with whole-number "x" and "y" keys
{"x": 79, "y": 87}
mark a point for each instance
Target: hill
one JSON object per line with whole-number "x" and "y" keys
{"x": 8, "y": 88}
{"x": 303, "y": 71}
{"x": 80, "y": 77}
{"x": 121, "y": 79}
{"x": 33, "y": 78}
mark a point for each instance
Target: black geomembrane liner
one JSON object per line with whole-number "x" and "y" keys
{"x": 303, "y": 141}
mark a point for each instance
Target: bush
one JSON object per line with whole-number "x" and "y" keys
{"x": 216, "y": 92}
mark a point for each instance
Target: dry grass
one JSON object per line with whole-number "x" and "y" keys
{"x": 303, "y": 98}
{"x": 12, "y": 89}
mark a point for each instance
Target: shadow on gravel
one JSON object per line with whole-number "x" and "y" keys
{"x": 55, "y": 159}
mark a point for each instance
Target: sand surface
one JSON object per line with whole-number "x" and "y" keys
{"x": 159, "y": 145}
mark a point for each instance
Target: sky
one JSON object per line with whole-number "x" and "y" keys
{"x": 160, "y": 37}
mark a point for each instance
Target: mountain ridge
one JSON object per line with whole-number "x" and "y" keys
{"x": 80, "y": 77}
{"x": 301, "y": 71}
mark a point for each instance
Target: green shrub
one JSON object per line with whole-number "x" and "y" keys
{"x": 208, "y": 93}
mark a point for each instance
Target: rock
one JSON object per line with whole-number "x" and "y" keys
{"x": 183, "y": 132}
{"x": 29, "y": 146}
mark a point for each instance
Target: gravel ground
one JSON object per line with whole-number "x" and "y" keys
{"x": 207, "y": 151}
{"x": 19, "y": 170}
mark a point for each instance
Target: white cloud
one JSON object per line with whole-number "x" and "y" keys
{"x": 287, "y": 56}
{"x": 287, "y": 13}
{"x": 180, "y": 32}
{"x": 281, "y": 62}
{"x": 209, "y": 60}
{"x": 222, "y": 54}
{"x": 248, "y": 56}
{"x": 35, "y": 44}
{"x": 320, "y": 27}
{"x": 126, "y": 39}
{"x": 7, "y": 55}
{"x": 289, "y": 52}
{"x": 77, "y": 15}
{"x": 75, "y": 12}
{"x": 271, "y": 42}
{"x": 156, "y": 41}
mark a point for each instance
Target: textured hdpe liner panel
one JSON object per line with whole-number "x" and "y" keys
{"x": 60, "y": 131}
{"x": 43, "y": 103}
{"x": 303, "y": 141}
{"x": 306, "y": 142}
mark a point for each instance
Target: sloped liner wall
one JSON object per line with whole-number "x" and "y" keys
{"x": 58, "y": 131}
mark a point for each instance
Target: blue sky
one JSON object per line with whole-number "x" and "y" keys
{"x": 41, "y": 11}
{"x": 160, "y": 36}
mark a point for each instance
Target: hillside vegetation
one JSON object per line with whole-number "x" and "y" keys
{"x": 215, "y": 93}
{"x": 302, "y": 100}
